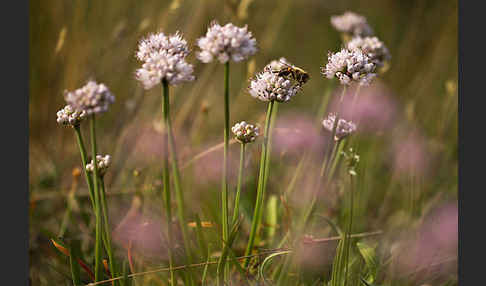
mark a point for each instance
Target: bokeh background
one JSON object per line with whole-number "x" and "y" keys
{"x": 414, "y": 145}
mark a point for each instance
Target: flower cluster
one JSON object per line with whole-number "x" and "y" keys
{"x": 268, "y": 86}
{"x": 343, "y": 128}
{"x": 163, "y": 58}
{"x": 245, "y": 132}
{"x": 173, "y": 44}
{"x": 70, "y": 117}
{"x": 278, "y": 64}
{"x": 226, "y": 43}
{"x": 103, "y": 163}
{"x": 348, "y": 66}
{"x": 372, "y": 47}
{"x": 352, "y": 24}
{"x": 92, "y": 98}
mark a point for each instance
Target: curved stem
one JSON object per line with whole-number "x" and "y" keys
{"x": 98, "y": 231}
{"x": 165, "y": 177}
{"x": 260, "y": 189}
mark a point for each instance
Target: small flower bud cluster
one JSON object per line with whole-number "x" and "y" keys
{"x": 92, "y": 98}
{"x": 352, "y": 160}
{"x": 268, "y": 86}
{"x": 103, "y": 163}
{"x": 163, "y": 57}
{"x": 226, "y": 43}
{"x": 372, "y": 47}
{"x": 348, "y": 66}
{"x": 343, "y": 128}
{"x": 245, "y": 132}
{"x": 352, "y": 24}
{"x": 70, "y": 117}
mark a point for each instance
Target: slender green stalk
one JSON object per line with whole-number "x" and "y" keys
{"x": 224, "y": 185}
{"x": 108, "y": 246}
{"x": 269, "y": 151}
{"x": 98, "y": 232}
{"x": 177, "y": 181}
{"x": 84, "y": 160}
{"x": 260, "y": 189}
{"x": 238, "y": 187}
{"x": 165, "y": 177}
{"x": 349, "y": 230}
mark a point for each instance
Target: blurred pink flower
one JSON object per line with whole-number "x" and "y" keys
{"x": 143, "y": 233}
{"x": 410, "y": 155}
{"x": 149, "y": 146}
{"x": 209, "y": 168}
{"x": 373, "y": 109}
{"x": 296, "y": 133}
{"x": 433, "y": 248}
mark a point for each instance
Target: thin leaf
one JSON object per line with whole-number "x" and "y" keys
{"x": 261, "y": 270}
{"x": 74, "y": 251}
{"x": 203, "y": 279}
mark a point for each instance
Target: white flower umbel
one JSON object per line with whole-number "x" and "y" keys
{"x": 348, "y": 66}
{"x": 103, "y": 163}
{"x": 158, "y": 66}
{"x": 343, "y": 129}
{"x": 155, "y": 43}
{"x": 352, "y": 24}
{"x": 268, "y": 86}
{"x": 372, "y": 47}
{"x": 245, "y": 133}
{"x": 70, "y": 117}
{"x": 163, "y": 57}
{"x": 92, "y": 98}
{"x": 226, "y": 43}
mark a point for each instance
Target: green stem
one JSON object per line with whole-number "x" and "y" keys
{"x": 349, "y": 231}
{"x": 260, "y": 189}
{"x": 224, "y": 185}
{"x": 84, "y": 161}
{"x": 238, "y": 187}
{"x": 98, "y": 233}
{"x": 177, "y": 182}
{"x": 108, "y": 246}
{"x": 165, "y": 177}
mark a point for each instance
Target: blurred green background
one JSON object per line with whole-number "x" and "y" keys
{"x": 73, "y": 41}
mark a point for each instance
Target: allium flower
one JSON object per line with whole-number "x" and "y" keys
{"x": 155, "y": 43}
{"x": 70, "y": 117}
{"x": 277, "y": 64}
{"x": 348, "y": 66}
{"x": 163, "y": 57}
{"x": 103, "y": 163}
{"x": 226, "y": 43}
{"x": 343, "y": 129}
{"x": 245, "y": 132}
{"x": 91, "y": 98}
{"x": 372, "y": 47}
{"x": 268, "y": 86}
{"x": 352, "y": 23}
